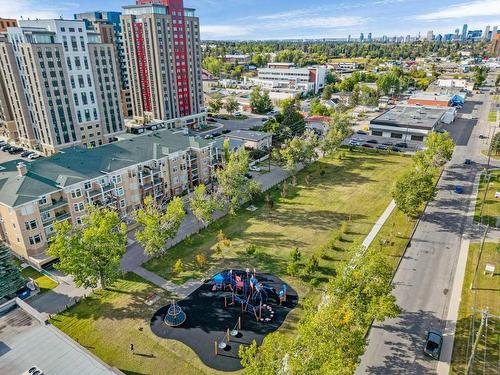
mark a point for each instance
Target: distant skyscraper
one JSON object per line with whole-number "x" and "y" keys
{"x": 486, "y": 35}
{"x": 369, "y": 37}
{"x": 408, "y": 38}
{"x": 361, "y": 37}
{"x": 439, "y": 38}
{"x": 349, "y": 38}
{"x": 464, "y": 32}
{"x": 456, "y": 37}
{"x": 430, "y": 35}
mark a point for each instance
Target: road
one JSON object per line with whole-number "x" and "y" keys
{"x": 424, "y": 281}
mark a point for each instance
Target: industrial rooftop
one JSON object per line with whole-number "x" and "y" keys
{"x": 412, "y": 116}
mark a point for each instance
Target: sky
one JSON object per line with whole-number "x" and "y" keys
{"x": 296, "y": 19}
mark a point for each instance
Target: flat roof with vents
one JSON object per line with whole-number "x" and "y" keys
{"x": 411, "y": 116}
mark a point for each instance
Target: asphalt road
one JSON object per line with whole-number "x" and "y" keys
{"x": 424, "y": 279}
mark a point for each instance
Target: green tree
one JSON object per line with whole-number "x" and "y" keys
{"x": 327, "y": 92}
{"x": 231, "y": 105}
{"x": 11, "y": 279}
{"x": 298, "y": 150}
{"x": 412, "y": 190}
{"x": 480, "y": 75}
{"x": 232, "y": 184}
{"x": 260, "y": 101}
{"x": 389, "y": 83}
{"x": 495, "y": 144}
{"x": 91, "y": 253}
{"x": 157, "y": 225}
{"x": 213, "y": 65}
{"x": 215, "y": 104}
{"x": 203, "y": 205}
{"x": 226, "y": 146}
{"x": 178, "y": 266}
{"x": 338, "y": 130}
{"x": 318, "y": 108}
{"x": 291, "y": 120}
{"x": 438, "y": 150}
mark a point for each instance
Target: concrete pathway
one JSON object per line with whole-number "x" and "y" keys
{"x": 182, "y": 291}
{"x": 378, "y": 225}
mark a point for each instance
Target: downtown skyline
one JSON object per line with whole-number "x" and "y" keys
{"x": 258, "y": 19}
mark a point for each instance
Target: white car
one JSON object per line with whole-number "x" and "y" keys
{"x": 253, "y": 168}
{"x": 33, "y": 156}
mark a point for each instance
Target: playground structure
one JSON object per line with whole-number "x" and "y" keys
{"x": 175, "y": 315}
{"x": 244, "y": 289}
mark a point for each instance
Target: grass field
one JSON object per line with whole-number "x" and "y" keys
{"x": 491, "y": 209}
{"x": 357, "y": 188}
{"x": 492, "y": 116}
{"x": 486, "y": 294}
{"x": 45, "y": 283}
{"x": 352, "y": 193}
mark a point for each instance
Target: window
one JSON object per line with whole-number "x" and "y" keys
{"x": 43, "y": 200}
{"x": 117, "y": 179}
{"x": 78, "y": 207}
{"x": 377, "y": 132}
{"x": 30, "y": 225}
{"x": 397, "y": 135}
{"x": 79, "y": 220}
{"x": 122, "y": 203}
{"x": 120, "y": 191}
{"x": 87, "y": 186}
{"x": 419, "y": 138}
{"x": 76, "y": 193}
{"x": 45, "y": 215}
{"x": 35, "y": 239}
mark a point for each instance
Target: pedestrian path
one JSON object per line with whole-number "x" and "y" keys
{"x": 182, "y": 291}
{"x": 379, "y": 224}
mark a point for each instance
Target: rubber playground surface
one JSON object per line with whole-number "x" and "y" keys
{"x": 208, "y": 321}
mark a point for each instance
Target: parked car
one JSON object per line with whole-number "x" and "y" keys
{"x": 382, "y": 147}
{"x": 5, "y": 148}
{"x": 440, "y": 131}
{"x": 225, "y": 131}
{"x": 15, "y": 150}
{"x": 354, "y": 143}
{"x": 264, "y": 119}
{"x": 395, "y": 149}
{"x": 248, "y": 176}
{"x": 34, "y": 155}
{"x": 459, "y": 189}
{"x": 387, "y": 143}
{"x": 372, "y": 141}
{"x": 270, "y": 113}
{"x": 401, "y": 145}
{"x": 433, "y": 344}
{"x": 2, "y": 143}
{"x": 367, "y": 145}
{"x": 362, "y": 132}
{"x": 357, "y": 139}
{"x": 215, "y": 134}
{"x": 467, "y": 161}
{"x": 26, "y": 153}
{"x": 208, "y": 136}
{"x": 482, "y": 136}
{"x": 254, "y": 168}
{"x": 237, "y": 113}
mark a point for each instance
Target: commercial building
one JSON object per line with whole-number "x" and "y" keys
{"x": 108, "y": 25}
{"x": 495, "y": 45}
{"x": 162, "y": 51}
{"x": 35, "y": 195}
{"x": 430, "y": 99}
{"x": 62, "y": 85}
{"x": 237, "y": 59}
{"x": 7, "y": 22}
{"x": 287, "y": 76}
{"x": 408, "y": 123}
{"x": 455, "y": 84}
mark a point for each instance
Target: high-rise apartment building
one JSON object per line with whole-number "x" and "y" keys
{"x": 369, "y": 37}
{"x": 361, "y": 37}
{"x": 7, "y": 22}
{"x": 108, "y": 25}
{"x": 162, "y": 50}
{"x": 486, "y": 35}
{"x": 464, "y": 32}
{"x": 53, "y": 69}
{"x": 430, "y": 36}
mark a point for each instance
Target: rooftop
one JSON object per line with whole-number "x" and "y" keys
{"x": 431, "y": 96}
{"x": 411, "y": 116}
{"x": 77, "y": 164}
{"x": 248, "y": 135}
{"x": 24, "y": 343}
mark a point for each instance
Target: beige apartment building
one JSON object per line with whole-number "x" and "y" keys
{"x": 61, "y": 86}
{"x": 35, "y": 195}
{"x": 163, "y": 59}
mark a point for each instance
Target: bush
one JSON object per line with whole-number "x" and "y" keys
{"x": 314, "y": 282}
{"x": 295, "y": 255}
{"x": 251, "y": 249}
{"x": 178, "y": 266}
{"x": 293, "y": 268}
{"x": 257, "y": 154}
{"x": 200, "y": 260}
{"x": 322, "y": 252}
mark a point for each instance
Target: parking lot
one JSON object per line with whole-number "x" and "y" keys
{"x": 5, "y": 157}
{"x": 232, "y": 125}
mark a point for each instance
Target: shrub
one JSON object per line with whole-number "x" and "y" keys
{"x": 344, "y": 228}
{"x": 200, "y": 260}
{"x": 293, "y": 268}
{"x": 295, "y": 255}
{"x": 178, "y": 266}
{"x": 314, "y": 282}
{"x": 322, "y": 252}
{"x": 251, "y": 249}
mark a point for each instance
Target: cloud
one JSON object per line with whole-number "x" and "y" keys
{"x": 224, "y": 31}
{"x": 464, "y": 10}
{"x": 33, "y": 9}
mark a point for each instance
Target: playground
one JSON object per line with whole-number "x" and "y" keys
{"x": 233, "y": 308}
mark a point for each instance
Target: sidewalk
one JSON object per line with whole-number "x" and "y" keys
{"x": 182, "y": 291}
{"x": 379, "y": 224}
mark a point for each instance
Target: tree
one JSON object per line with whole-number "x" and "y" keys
{"x": 388, "y": 83}
{"x": 495, "y": 144}
{"x": 327, "y": 92}
{"x": 497, "y": 80}
{"x": 203, "y": 205}
{"x": 213, "y": 65}
{"x": 260, "y": 101}
{"x": 298, "y": 150}
{"x": 480, "y": 75}
{"x": 158, "y": 226}
{"x": 178, "y": 266}
{"x": 290, "y": 118}
{"x": 215, "y": 104}
{"x": 338, "y": 130}
{"x": 200, "y": 260}
{"x": 438, "y": 150}
{"x": 318, "y": 108}
{"x": 91, "y": 253}
{"x": 232, "y": 184}
{"x": 226, "y": 146}
{"x": 231, "y": 105}
{"x": 412, "y": 190}
{"x": 11, "y": 279}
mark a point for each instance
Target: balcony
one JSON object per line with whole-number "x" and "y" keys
{"x": 55, "y": 204}
{"x": 60, "y": 216}
{"x": 95, "y": 192}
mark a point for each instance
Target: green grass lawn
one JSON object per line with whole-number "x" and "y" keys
{"x": 45, "y": 283}
{"x": 108, "y": 321}
{"x": 355, "y": 190}
{"x": 485, "y": 295}
{"x": 491, "y": 209}
{"x": 492, "y": 116}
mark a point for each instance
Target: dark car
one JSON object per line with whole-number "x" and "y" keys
{"x": 467, "y": 161}
{"x": 225, "y": 131}
{"x": 362, "y": 132}
{"x": 433, "y": 344}
{"x": 248, "y": 176}
{"x": 482, "y": 136}
{"x": 215, "y": 134}
{"x": 382, "y": 147}
{"x": 401, "y": 145}
{"x": 372, "y": 141}
{"x": 395, "y": 149}
{"x": 15, "y": 150}
{"x": 387, "y": 143}
{"x": 458, "y": 189}
{"x": 2, "y": 143}
{"x": 5, "y": 148}
{"x": 367, "y": 145}
{"x": 26, "y": 153}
